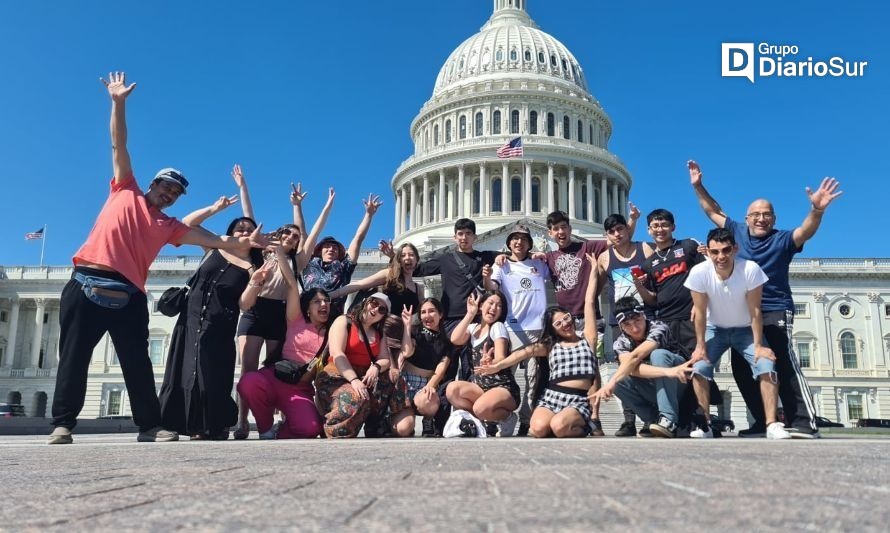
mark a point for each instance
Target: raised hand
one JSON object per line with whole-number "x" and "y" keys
{"x": 386, "y": 248}
{"x": 224, "y": 202}
{"x": 473, "y": 305}
{"x": 591, "y": 258}
{"x": 407, "y": 315}
{"x": 238, "y": 176}
{"x": 486, "y": 271}
{"x": 633, "y": 211}
{"x": 261, "y": 274}
{"x": 694, "y": 173}
{"x": 259, "y": 239}
{"x": 372, "y": 204}
{"x": 825, "y": 194}
{"x": 331, "y": 194}
{"x": 297, "y": 194}
{"x": 117, "y": 86}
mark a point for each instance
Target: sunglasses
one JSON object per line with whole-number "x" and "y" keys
{"x": 726, "y": 250}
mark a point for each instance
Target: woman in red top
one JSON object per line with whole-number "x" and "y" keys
{"x": 354, "y": 387}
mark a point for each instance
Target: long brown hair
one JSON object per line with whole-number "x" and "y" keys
{"x": 394, "y": 280}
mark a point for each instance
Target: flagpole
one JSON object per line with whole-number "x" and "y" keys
{"x": 42, "y": 244}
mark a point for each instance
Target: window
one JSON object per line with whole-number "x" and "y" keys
{"x": 448, "y": 131}
{"x": 533, "y": 128}
{"x": 474, "y": 197}
{"x": 499, "y": 55}
{"x": 462, "y": 127}
{"x": 514, "y": 121}
{"x": 801, "y": 309}
{"x": 45, "y": 318}
{"x": 516, "y": 194}
{"x": 566, "y": 127}
{"x": 156, "y": 351}
{"x": 580, "y": 132}
{"x": 496, "y": 123}
{"x": 551, "y": 125}
{"x": 115, "y": 402}
{"x": 803, "y": 352}
{"x": 887, "y": 310}
{"x": 536, "y": 194}
{"x": 541, "y": 57}
{"x": 513, "y": 55}
{"x": 3, "y": 317}
{"x": 553, "y": 60}
{"x": 854, "y": 407}
{"x": 436, "y": 135}
{"x": 528, "y": 54}
{"x": 848, "y": 350}
{"x": 845, "y": 310}
{"x": 584, "y": 201}
{"x": 496, "y": 195}
{"x": 478, "y": 124}
{"x": 590, "y": 134}
{"x": 565, "y": 67}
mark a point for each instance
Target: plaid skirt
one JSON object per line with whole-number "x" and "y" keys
{"x": 345, "y": 412}
{"x": 557, "y": 398}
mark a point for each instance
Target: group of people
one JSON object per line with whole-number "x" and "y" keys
{"x": 491, "y": 347}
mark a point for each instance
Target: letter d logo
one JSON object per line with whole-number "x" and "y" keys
{"x": 738, "y": 60}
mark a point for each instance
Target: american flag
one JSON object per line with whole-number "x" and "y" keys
{"x": 34, "y": 235}
{"x": 511, "y": 149}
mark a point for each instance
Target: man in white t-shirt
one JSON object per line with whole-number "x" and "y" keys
{"x": 726, "y": 294}
{"x": 522, "y": 279}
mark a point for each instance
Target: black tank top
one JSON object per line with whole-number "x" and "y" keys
{"x": 406, "y": 297}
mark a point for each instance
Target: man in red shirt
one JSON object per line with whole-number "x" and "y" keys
{"x": 106, "y": 293}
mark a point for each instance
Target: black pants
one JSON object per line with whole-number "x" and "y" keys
{"x": 83, "y": 324}
{"x": 797, "y": 401}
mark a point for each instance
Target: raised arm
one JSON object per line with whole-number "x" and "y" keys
{"x": 460, "y": 335}
{"x": 590, "y": 332}
{"x": 254, "y": 286}
{"x": 119, "y": 91}
{"x": 197, "y": 217}
{"x": 308, "y": 244}
{"x": 371, "y": 205}
{"x": 296, "y": 199}
{"x": 293, "y": 310}
{"x": 202, "y": 237}
{"x": 708, "y": 204}
{"x": 819, "y": 201}
{"x": 633, "y": 213}
{"x": 246, "y": 205}
{"x": 374, "y": 280}
{"x": 408, "y": 345}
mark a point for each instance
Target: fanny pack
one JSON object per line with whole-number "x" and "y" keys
{"x": 105, "y": 292}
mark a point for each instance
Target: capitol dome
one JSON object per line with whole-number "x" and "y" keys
{"x": 509, "y": 80}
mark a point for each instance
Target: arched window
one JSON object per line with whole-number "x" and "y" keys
{"x": 496, "y": 123}
{"x": 565, "y": 67}
{"x": 541, "y": 57}
{"x": 580, "y": 132}
{"x": 478, "y": 125}
{"x": 584, "y": 201}
{"x": 533, "y": 122}
{"x": 515, "y": 194}
{"x": 436, "y": 135}
{"x": 499, "y": 55}
{"x": 848, "y": 350}
{"x": 528, "y": 54}
{"x": 536, "y": 194}
{"x": 474, "y": 196}
{"x": 551, "y": 125}
{"x": 496, "y": 195}
{"x": 553, "y": 60}
{"x": 462, "y": 127}
{"x": 513, "y": 55}
{"x": 514, "y": 121}
{"x": 448, "y": 131}
{"x": 566, "y": 127}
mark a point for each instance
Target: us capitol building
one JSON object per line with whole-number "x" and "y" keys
{"x": 510, "y": 79}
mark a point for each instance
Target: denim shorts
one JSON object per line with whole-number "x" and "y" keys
{"x": 722, "y": 339}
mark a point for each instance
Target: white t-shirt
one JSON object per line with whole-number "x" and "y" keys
{"x": 727, "y": 305}
{"x": 522, "y": 282}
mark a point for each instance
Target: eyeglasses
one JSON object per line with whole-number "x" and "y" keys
{"x": 564, "y": 321}
{"x": 660, "y": 226}
{"x": 716, "y": 252}
{"x": 764, "y": 215}
{"x": 372, "y": 302}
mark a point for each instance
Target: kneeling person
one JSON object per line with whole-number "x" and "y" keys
{"x": 649, "y": 357}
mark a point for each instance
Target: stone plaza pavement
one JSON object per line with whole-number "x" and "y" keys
{"x": 106, "y": 482}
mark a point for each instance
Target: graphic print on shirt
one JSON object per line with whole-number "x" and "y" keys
{"x": 568, "y": 268}
{"x": 623, "y": 281}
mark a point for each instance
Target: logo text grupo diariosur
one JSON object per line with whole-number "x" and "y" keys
{"x": 738, "y": 60}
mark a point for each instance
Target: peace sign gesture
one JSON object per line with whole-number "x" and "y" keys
{"x": 117, "y": 86}
{"x": 223, "y": 203}
{"x": 297, "y": 194}
{"x": 238, "y": 176}
{"x": 473, "y": 305}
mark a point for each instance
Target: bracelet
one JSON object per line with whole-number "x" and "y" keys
{"x": 252, "y": 284}
{"x": 377, "y": 365}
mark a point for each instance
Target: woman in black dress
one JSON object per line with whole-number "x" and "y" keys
{"x": 196, "y": 396}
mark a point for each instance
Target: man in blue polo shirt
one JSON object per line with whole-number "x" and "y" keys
{"x": 773, "y": 250}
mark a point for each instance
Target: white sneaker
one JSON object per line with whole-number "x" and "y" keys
{"x": 507, "y": 427}
{"x": 699, "y": 433}
{"x": 157, "y": 434}
{"x": 777, "y": 431}
{"x": 60, "y": 435}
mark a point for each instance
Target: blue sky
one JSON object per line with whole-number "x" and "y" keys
{"x": 324, "y": 92}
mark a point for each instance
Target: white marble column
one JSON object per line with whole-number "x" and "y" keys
{"x": 460, "y": 192}
{"x": 13, "y": 330}
{"x": 590, "y": 195}
{"x": 442, "y": 215}
{"x": 38, "y": 332}
{"x": 622, "y": 201}
{"x": 426, "y": 201}
{"x": 483, "y": 191}
{"x": 506, "y": 189}
{"x": 604, "y": 198}
{"x": 528, "y": 188}
{"x": 615, "y": 206}
{"x": 398, "y": 211}
{"x": 551, "y": 188}
{"x": 571, "y": 198}
{"x": 413, "y": 206}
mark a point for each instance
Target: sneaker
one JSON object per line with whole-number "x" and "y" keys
{"x": 60, "y": 435}
{"x": 755, "y": 431}
{"x": 702, "y": 432}
{"x": 491, "y": 428}
{"x": 663, "y": 428}
{"x": 429, "y": 427}
{"x": 596, "y": 428}
{"x": 523, "y": 430}
{"x": 157, "y": 434}
{"x": 776, "y": 431}
{"x": 803, "y": 433}
{"x": 645, "y": 432}
{"x": 507, "y": 427}
{"x": 627, "y": 429}
{"x": 272, "y": 434}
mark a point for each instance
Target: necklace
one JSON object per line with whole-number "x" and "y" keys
{"x": 666, "y": 251}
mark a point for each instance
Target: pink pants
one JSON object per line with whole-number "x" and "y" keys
{"x": 263, "y": 393}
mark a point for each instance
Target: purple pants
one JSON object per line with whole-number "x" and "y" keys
{"x": 263, "y": 393}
